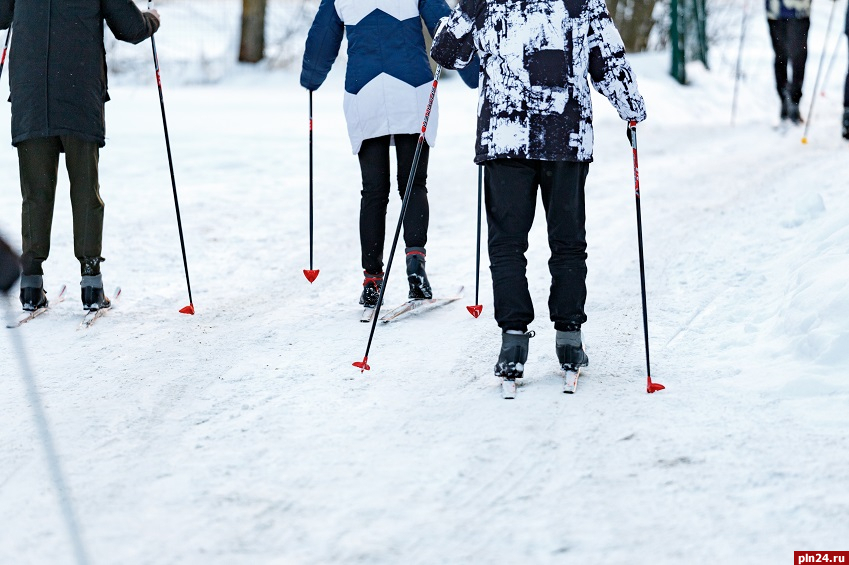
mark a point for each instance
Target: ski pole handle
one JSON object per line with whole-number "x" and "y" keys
{"x": 632, "y": 125}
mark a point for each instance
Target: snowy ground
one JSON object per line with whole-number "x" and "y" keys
{"x": 243, "y": 434}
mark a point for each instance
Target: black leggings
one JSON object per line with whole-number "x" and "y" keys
{"x": 374, "y": 164}
{"x": 790, "y": 43}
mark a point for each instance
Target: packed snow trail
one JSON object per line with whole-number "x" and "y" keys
{"x": 243, "y": 434}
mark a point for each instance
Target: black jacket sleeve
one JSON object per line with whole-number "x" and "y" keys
{"x": 454, "y": 41}
{"x": 7, "y": 12}
{"x": 127, "y": 22}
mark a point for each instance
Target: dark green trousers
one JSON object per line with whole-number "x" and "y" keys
{"x": 39, "y": 168}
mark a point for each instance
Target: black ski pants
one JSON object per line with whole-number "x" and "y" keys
{"x": 790, "y": 44}
{"x": 374, "y": 164}
{"x": 511, "y": 194}
{"x": 38, "y": 160}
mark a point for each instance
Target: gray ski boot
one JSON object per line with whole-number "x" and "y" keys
{"x": 513, "y": 355}
{"x": 92, "y": 293}
{"x": 33, "y": 296}
{"x": 570, "y": 350}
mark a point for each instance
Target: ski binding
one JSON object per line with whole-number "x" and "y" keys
{"x": 26, "y": 317}
{"x": 419, "y": 306}
{"x": 93, "y": 315}
{"x": 570, "y": 380}
{"x": 508, "y": 388}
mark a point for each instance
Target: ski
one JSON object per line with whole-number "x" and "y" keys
{"x": 367, "y": 315}
{"x": 508, "y": 388}
{"x": 419, "y": 306}
{"x": 570, "y": 380}
{"x": 26, "y": 317}
{"x": 93, "y": 315}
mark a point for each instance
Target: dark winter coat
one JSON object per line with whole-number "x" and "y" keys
{"x": 57, "y": 63}
{"x": 535, "y": 56}
{"x": 788, "y": 9}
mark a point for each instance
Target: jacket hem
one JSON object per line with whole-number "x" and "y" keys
{"x": 101, "y": 141}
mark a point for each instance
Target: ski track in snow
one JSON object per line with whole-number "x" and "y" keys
{"x": 243, "y": 434}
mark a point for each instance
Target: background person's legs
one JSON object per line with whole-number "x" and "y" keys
{"x": 778, "y": 35}
{"x": 797, "y": 52}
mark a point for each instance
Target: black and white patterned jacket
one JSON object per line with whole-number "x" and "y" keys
{"x": 535, "y": 57}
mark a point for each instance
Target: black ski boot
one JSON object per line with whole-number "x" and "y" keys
{"x": 845, "y": 123}
{"x": 92, "y": 293}
{"x": 371, "y": 289}
{"x": 33, "y": 296}
{"x": 513, "y": 355}
{"x": 570, "y": 350}
{"x": 792, "y": 108}
{"x": 416, "y": 276}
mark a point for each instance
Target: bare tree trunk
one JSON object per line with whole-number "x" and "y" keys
{"x": 634, "y": 20}
{"x": 252, "y": 46}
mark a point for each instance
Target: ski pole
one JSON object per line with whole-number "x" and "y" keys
{"x": 311, "y": 273}
{"x": 363, "y": 365}
{"x": 739, "y": 69}
{"x": 52, "y": 458}
{"x": 831, "y": 64}
{"x": 478, "y": 307}
{"x": 5, "y": 50}
{"x": 190, "y": 309}
{"x": 819, "y": 72}
{"x": 650, "y": 386}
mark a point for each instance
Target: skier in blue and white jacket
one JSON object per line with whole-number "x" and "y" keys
{"x": 387, "y": 88}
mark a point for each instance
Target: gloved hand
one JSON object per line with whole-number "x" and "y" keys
{"x": 152, "y": 16}
{"x": 444, "y": 22}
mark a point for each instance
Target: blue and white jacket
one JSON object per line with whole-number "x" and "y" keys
{"x": 388, "y": 80}
{"x": 788, "y": 9}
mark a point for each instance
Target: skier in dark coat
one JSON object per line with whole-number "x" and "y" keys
{"x": 57, "y": 76}
{"x": 535, "y": 131}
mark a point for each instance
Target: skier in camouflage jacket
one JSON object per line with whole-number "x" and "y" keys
{"x": 535, "y": 131}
